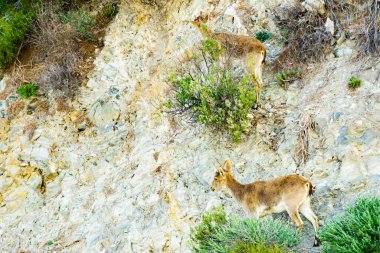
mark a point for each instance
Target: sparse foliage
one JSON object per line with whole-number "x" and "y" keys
{"x": 216, "y": 233}
{"x": 358, "y": 230}
{"x": 81, "y": 20}
{"x": 286, "y": 77}
{"x": 213, "y": 94}
{"x": 110, "y": 10}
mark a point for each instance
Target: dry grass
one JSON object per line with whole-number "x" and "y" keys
{"x": 50, "y": 36}
{"x": 369, "y": 38}
{"x": 61, "y": 105}
{"x": 305, "y": 124}
{"x": 14, "y": 108}
{"x": 58, "y": 49}
{"x": 358, "y": 19}
{"x": 306, "y": 38}
{"x": 62, "y": 75}
{"x": 42, "y": 107}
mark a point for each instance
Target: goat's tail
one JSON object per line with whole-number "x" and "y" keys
{"x": 263, "y": 56}
{"x": 311, "y": 188}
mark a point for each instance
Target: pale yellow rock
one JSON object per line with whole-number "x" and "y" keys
{"x": 4, "y": 129}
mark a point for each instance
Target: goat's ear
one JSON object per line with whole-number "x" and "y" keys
{"x": 194, "y": 23}
{"x": 227, "y": 166}
{"x": 205, "y": 19}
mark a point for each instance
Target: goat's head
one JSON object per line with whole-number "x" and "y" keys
{"x": 199, "y": 21}
{"x": 220, "y": 178}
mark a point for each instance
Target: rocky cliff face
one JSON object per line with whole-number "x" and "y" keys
{"x": 116, "y": 175}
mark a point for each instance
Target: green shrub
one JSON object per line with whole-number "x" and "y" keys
{"x": 254, "y": 248}
{"x": 217, "y": 234}
{"x": 81, "y": 20}
{"x": 27, "y": 90}
{"x": 110, "y": 10}
{"x": 263, "y": 36}
{"x": 354, "y": 83}
{"x": 14, "y": 24}
{"x": 213, "y": 93}
{"x": 357, "y": 231}
{"x": 286, "y": 77}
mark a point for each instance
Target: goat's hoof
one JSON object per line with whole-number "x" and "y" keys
{"x": 317, "y": 242}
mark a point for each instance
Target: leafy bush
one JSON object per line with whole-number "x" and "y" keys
{"x": 14, "y": 24}
{"x": 81, "y": 20}
{"x": 358, "y": 230}
{"x": 263, "y": 36}
{"x": 110, "y": 10}
{"x": 213, "y": 93}
{"x": 216, "y": 234}
{"x": 286, "y": 77}
{"x": 27, "y": 90}
{"x": 354, "y": 83}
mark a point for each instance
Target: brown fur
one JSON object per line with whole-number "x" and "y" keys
{"x": 251, "y": 50}
{"x": 290, "y": 193}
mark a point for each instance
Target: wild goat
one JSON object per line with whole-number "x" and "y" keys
{"x": 251, "y": 50}
{"x": 290, "y": 193}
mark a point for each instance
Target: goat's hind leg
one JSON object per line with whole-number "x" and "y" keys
{"x": 295, "y": 216}
{"x": 306, "y": 210}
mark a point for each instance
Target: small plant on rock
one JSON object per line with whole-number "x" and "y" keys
{"x": 27, "y": 90}
{"x": 110, "y": 10}
{"x": 216, "y": 233}
{"x": 213, "y": 94}
{"x": 354, "y": 83}
{"x": 81, "y": 20}
{"x": 358, "y": 230}
{"x": 285, "y": 77}
{"x": 263, "y": 36}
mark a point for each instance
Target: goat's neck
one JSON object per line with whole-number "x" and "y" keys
{"x": 236, "y": 188}
{"x": 206, "y": 32}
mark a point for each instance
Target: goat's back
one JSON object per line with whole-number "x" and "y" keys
{"x": 271, "y": 192}
{"x": 239, "y": 45}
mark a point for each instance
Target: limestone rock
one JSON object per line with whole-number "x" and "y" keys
{"x": 103, "y": 113}
{"x": 314, "y": 6}
{"x": 330, "y": 26}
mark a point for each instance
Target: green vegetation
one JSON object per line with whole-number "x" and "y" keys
{"x": 254, "y": 248}
{"x": 14, "y": 24}
{"x": 358, "y": 230}
{"x": 263, "y": 36}
{"x": 27, "y": 90}
{"x": 354, "y": 83}
{"x": 81, "y": 20}
{"x": 110, "y": 10}
{"x": 217, "y": 234}
{"x": 213, "y": 94}
{"x": 286, "y": 77}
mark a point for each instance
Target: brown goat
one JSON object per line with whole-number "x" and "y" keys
{"x": 290, "y": 193}
{"x": 251, "y": 50}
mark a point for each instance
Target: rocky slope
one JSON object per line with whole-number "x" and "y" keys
{"x": 135, "y": 180}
